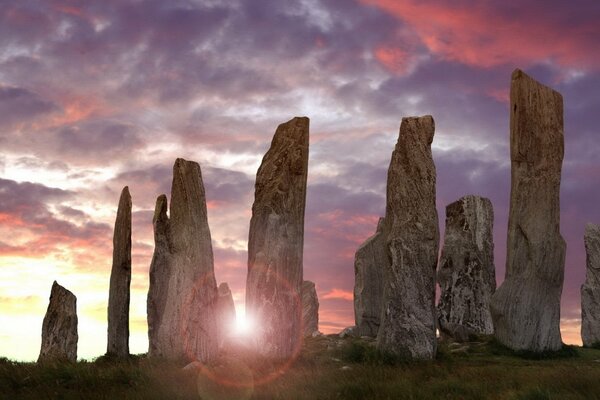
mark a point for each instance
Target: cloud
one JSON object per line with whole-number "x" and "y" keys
{"x": 38, "y": 231}
{"x": 339, "y": 294}
{"x": 21, "y": 107}
{"x": 484, "y": 35}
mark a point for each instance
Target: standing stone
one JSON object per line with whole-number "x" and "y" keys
{"x": 225, "y": 311}
{"x": 159, "y": 275}
{"x": 310, "y": 309}
{"x": 370, "y": 262}
{"x": 408, "y": 327}
{"x": 276, "y": 242}
{"x": 120, "y": 280}
{"x": 59, "y": 329}
{"x": 183, "y": 290}
{"x": 466, "y": 274}
{"x": 526, "y": 307}
{"x": 590, "y": 290}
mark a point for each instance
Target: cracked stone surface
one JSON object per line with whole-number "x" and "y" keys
{"x": 408, "y": 319}
{"x": 276, "y": 242}
{"x": 466, "y": 272}
{"x": 182, "y": 322}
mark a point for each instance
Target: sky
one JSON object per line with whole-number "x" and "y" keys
{"x": 96, "y": 95}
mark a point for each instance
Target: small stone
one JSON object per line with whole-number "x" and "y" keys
{"x": 310, "y": 309}
{"x": 350, "y": 331}
{"x": 59, "y": 329}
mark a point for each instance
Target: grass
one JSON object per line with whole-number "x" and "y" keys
{"x": 327, "y": 368}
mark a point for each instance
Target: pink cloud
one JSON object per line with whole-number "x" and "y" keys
{"x": 481, "y": 35}
{"x": 339, "y": 294}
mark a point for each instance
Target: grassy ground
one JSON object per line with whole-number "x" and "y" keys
{"x": 327, "y": 368}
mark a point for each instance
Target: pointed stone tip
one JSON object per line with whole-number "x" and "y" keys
{"x": 517, "y": 73}
{"x": 160, "y": 208}
{"x": 125, "y": 195}
{"x": 223, "y": 289}
{"x": 308, "y": 284}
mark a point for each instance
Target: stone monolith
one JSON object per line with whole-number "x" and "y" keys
{"x": 276, "y": 242}
{"x": 120, "y": 280}
{"x": 183, "y": 290}
{"x": 466, "y": 272}
{"x": 225, "y": 311}
{"x": 408, "y": 326}
{"x": 370, "y": 262}
{"x": 590, "y": 290}
{"x": 526, "y": 307}
{"x": 310, "y": 309}
{"x": 59, "y": 329}
{"x": 159, "y": 275}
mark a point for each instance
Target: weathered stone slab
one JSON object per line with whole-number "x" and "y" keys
{"x": 183, "y": 291}
{"x": 590, "y": 290}
{"x": 526, "y": 307}
{"x": 59, "y": 329}
{"x": 225, "y": 311}
{"x": 466, "y": 272}
{"x": 276, "y": 242}
{"x": 408, "y": 326}
{"x": 370, "y": 262}
{"x": 120, "y": 280}
{"x": 159, "y": 275}
{"x": 310, "y": 309}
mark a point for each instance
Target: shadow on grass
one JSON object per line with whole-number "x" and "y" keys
{"x": 498, "y": 349}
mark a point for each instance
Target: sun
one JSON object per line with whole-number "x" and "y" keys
{"x": 243, "y": 326}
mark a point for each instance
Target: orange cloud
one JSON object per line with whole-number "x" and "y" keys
{"x": 339, "y": 294}
{"x": 478, "y": 35}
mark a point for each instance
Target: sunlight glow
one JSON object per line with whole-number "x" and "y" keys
{"x": 244, "y": 326}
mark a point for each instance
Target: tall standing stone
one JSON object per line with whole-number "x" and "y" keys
{"x": 120, "y": 280}
{"x": 466, "y": 273}
{"x": 408, "y": 326}
{"x": 310, "y": 309}
{"x": 159, "y": 275}
{"x": 370, "y": 262}
{"x": 183, "y": 290}
{"x": 276, "y": 242}
{"x": 590, "y": 290}
{"x": 526, "y": 307}
{"x": 225, "y": 311}
{"x": 59, "y": 329}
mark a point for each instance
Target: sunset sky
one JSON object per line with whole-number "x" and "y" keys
{"x": 96, "y": 95}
